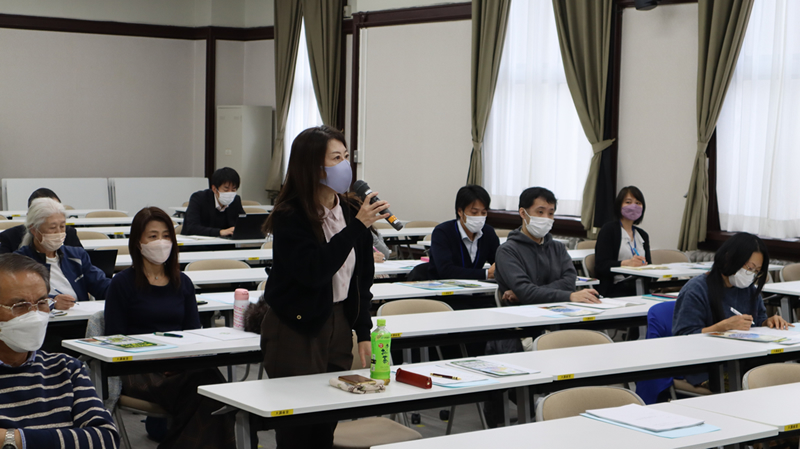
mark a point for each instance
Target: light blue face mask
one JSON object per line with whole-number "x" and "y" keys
{"x": 338, "y": 177}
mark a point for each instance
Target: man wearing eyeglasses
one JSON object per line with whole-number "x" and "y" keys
{"x": 48, "y": 399}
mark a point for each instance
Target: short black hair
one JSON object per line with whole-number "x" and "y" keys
{"x": 12, "y": 263}
{"x": 529, "y": 195}
{"x": 468, "y": 194}
{"x": 42, "y": 192}
{"x": 225, "y": 175}
{"x": 636, "y": 193}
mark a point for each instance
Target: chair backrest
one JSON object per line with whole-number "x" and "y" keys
{"x": 92, "y": 235}
{"x": 185, "y": 204}
{"x": 498, "y": 297}
{"x": 253, "y": 210}
{"x": 178, "y": 229}
{"x": 250, "y": 203}
{"x": 662, "y": 256}
{"x": 96, "y": 325}
{"x": 570, "y": 338}
{"x": 3, "y": 217}
{"x": 262, "y": 285}
{"x": 659, "y": 320}
{"x": 771, "y": 375}
{"x": 216, "y": 264}
{"x": 421, "y": 224}
{"x": 586, "y": 244}
{"x": 408, "y": 306}
{"x": 381, "y": 225}
{"x": 502, "y": 232}
{"x": 267, "y": 245}
{"x": 588, "y": 262}
{"x": 790, "y": 272}
{"x": 68, "y": 207}
{"x": 106, "y": 214}
{"x": 122, "y": 249}
{"x": 9, "y": 224}
{"x": 574, "y": 401}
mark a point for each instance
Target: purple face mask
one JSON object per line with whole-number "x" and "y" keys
{"x": 632, "y": 211}
{"x": 338, "y": 177}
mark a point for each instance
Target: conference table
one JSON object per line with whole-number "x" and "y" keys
{"x": 94, "y": 222}
{"x": 184, "y": 242}
{"x": 70, "y": 212}
{"x": 788, "y": 291}
{"x": 671, "y": 273}
{"x": 246, "y": 255}
{"x": 181, "y": 210}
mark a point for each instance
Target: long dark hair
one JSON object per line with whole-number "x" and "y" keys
{"x": 729, "y": 259}
{"x": 172, "y": 267}
{"x": 303, "y": 177}
{"x": 637, "y": 194}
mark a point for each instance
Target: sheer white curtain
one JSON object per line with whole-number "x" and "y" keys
{"x": 758, "y": 133}
{"x": 303, "y": 110}
{"x": 534, "y": 137}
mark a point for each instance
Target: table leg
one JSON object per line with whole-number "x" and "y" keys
{"x": 98, "y": 379}
{"x": 735, "y": 375}
{"x": 639, "y": 286}
{"x": 523, "y": 406}
{"x": 786, "y": 311}
{"x": 246, "y": 437}
{"x": 506, "y": 410}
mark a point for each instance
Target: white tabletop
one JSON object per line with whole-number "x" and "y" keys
{"x": 783, "y": 288}
{"x": 405, "y": 232}
{"x": 70, "y": 212}
{"x": 182, "y": 209}
{"x": 100, "y": 221}
{"x": 308, "y": 394}
{"x": 505, "y": 239}
{"x": 124, "y": 260}
{"x": 632, "y": 356}
{"x": 671, "y": 270}
{"x": 774, "y": 406}
{"x": 204, "y": 277}
{"x": 474, "y": 320}
{"x": 183, "y": 240}
{"x": 85, "y": 309}
{"x": 251, "y": 343}
{"x": 580, "y": 432}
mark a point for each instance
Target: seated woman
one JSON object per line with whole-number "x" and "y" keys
{"x": 72, "y": 275}
{"x": 154, "y": 296}
{"x": 729, "y": 296}
{"x": 620, "y": 243}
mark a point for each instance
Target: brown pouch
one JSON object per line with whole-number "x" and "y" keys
{"x": 417, "y": 380}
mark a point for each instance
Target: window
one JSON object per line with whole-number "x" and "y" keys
{"x": 534, "y": 137}
{"x": 303, "y": 110}
{"x": 758, "y": 132}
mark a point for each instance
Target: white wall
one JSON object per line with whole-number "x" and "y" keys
{"x": 230, "y": 73}
{"x": 259, "y": 73}
{"x": 658, "y": 126}
{"x": 416, "y": 116}
{"x": 77, "y": 105}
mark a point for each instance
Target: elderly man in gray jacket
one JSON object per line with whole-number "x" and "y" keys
{"x": 532, "y": 268}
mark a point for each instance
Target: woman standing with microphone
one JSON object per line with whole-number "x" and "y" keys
{"x": 318, "y": 290}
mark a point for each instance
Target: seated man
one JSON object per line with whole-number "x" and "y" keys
{"x": 460, "y": 247}
{"x": 532, "y": 268}
{"x": 48, "y": 399}
{"x": 11, "y": 238}
{"x": 213, "y": 212}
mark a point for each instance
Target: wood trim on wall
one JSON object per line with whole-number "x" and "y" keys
{"x": 631, "y": 4}
{"x": 509, "y": 219}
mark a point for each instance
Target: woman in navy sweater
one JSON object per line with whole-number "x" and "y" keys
{"x": 460, "y": 247}
{"x": 154, "y": 296}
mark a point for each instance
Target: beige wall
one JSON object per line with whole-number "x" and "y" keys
{"x": 658, "y": 126}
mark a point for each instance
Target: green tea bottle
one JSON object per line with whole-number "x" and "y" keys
{"x": 381, "y": 344}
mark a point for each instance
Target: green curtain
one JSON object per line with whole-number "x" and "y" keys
{"x": 584, "y": 36}
{"x": 323, "y": 20}
{"x": 489, "y": 23}
{"x": 288, "y": 16}
{"x": 722, "y": 25}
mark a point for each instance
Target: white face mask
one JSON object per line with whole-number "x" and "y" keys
{"x": 25, "y": 333}
{"x": 226, "y": 198}
{"x": 157, "y": 251}
{"x": 474, "y": 223}
{"x": 52, "y": 242}
{"x": 538, "y": 226}
{"x": 742, "y": 278}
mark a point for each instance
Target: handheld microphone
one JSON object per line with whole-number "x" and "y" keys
{"x": 362, "y": 190}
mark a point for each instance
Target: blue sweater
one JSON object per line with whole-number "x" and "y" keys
{"x": 51, "y": 399}
{"x": 130, "y": 310}
{"x": 77, "y": 267}
{"x": 693, "y": 308}
{"x": 450, "y": 258}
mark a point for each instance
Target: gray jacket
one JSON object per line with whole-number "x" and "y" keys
{"x": 537, "y": 274}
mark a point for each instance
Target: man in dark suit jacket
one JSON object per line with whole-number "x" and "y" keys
{"x": 213, "y": 212}
{"x": 11, "y": 238}
{"x": 460, "y": 247}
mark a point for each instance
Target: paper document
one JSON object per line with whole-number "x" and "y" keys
{"x": 677, "y": 433}
{"x": 645, "y": 418}
{"x": 527, "y": 311}
{"x": 441, "y": 285}
{"x": 749, "y": 336}
{"x": 571, "y": 310}
{"x": 491, "y": 368}
{"x": 124, "y": 343}
{"x": 789, "y": 337}
{"x": 613, "y": 303}
{"x": 187, "y": 339}
{"x": 222, "y": 333}
{"x": 648, "y": 268}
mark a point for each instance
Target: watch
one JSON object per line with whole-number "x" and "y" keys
{"x": 10, "y": 442}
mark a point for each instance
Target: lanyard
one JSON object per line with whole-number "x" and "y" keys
{"x": 461, "y": 248}
{"x": 633, "y": 248}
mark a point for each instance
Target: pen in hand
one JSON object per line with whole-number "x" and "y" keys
{"x": 61, "y": 293}
{"x": 736, "y": 312}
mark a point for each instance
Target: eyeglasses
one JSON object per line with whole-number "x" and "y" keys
{"x": 22, "y": 308}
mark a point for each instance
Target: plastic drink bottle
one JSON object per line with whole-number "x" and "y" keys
{"x": 241, "y": 301}
{"x": 381, "y": 346}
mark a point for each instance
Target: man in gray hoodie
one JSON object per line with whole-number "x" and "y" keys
{"x": 532, "y": 268}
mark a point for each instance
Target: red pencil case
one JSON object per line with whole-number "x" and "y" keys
{"x": 417, "y": 380}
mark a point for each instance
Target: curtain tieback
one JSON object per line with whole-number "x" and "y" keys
{"x": 602, "y": 145}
